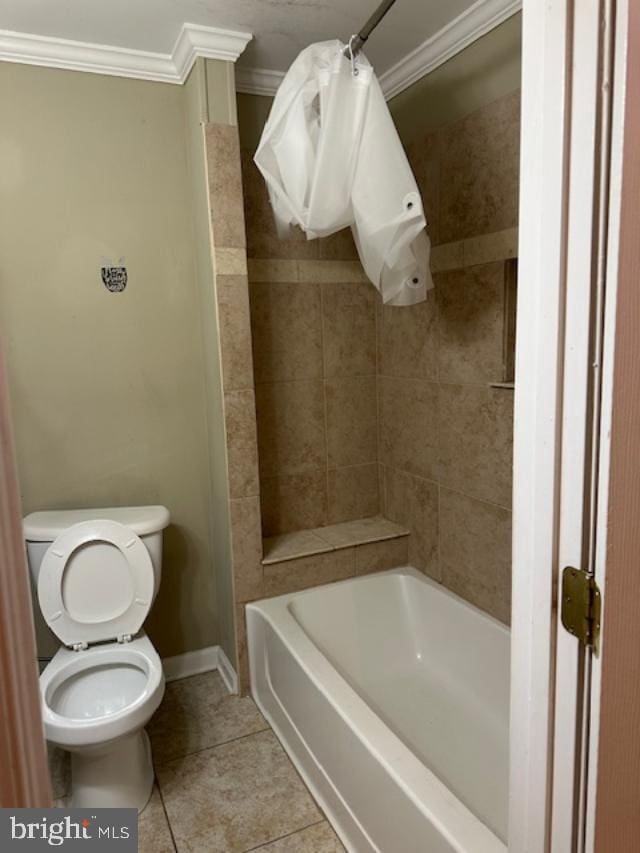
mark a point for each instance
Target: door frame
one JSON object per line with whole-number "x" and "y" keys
{"x": 575, "y": 250}
{"x": 24, "y": 780}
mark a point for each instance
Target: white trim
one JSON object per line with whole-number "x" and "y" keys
{"x": 174, "y": 67}
{"x": 199, "y": 661}
{"x": 217, "y": 43}
{"x": 227, "y": 672}
{"x": 545, "y": 63}
{"x": 258, "y": 81}
{"x": 477, "y": 21}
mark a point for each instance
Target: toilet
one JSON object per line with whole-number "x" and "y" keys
{"x": 97, "y": 572}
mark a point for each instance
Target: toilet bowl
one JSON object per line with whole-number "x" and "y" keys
{"x": 97, "y": 576}
{"x": 95, "y": 705}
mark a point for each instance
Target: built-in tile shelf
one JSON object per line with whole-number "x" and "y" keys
{"x": 507, "y": 386}
{"x": 321, "y": 540}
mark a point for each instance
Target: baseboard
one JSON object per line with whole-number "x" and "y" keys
{"x": 199, "y": 661}
{"x": 227, "y": 672}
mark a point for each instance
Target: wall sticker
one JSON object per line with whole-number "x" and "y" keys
{"x": 114, "y": 276}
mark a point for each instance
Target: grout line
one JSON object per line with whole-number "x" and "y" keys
{"x": 324, "y": 400}
{"x": 474, "y": 498}
{"x": 267, "y": 728}
{"x": 166, "y": 814}
{"x": 288, "y": 834}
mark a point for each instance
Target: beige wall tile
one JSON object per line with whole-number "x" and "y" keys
{"x": 297, "y": 502}
{"x": 424, "y": 158}
{"x": 407, "y": 340}
{"x": 338, "y": 246}
{"x": 491, "y": 247}
{"x": 238, "y": 777}
{"x": 273, "y": 269}
{"x": 235, "y": 331}
{"x": 413, "y": 503}
{"x": 352, "y": 493}
{"x": 351, "y": 421}
{"x": 349, "y": 328}
{"x": 246, "y": 548}
{"x": 476, "y": 441}
{"x": 286, "y": 324}
{"x": 475, "y": 552}
{"x": 230, "y": 261}
{"x": 408, "y": 423}
{"x": 242, "y": 443}
{"x": 480, "y": 171}
{"x": 225, "y": 185}
{"x": 379, "y": 556}
{"x": 470, "y": 324}
{"x": 262, "y": 237}
{"x": 242, "y": 651}
{"x": 294, "y": 575}
{"x": 291, "y": 427}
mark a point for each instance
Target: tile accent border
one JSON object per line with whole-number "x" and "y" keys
{"x": 483, "y": 249}
{"x": 199, "y": 661}
{"x": 317, "y": 271}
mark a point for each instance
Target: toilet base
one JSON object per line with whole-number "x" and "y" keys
{"x": 117, "y": 775}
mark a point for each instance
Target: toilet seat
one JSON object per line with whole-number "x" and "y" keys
{"x": 79, "y": 729}
{"x": 96, "y": 583}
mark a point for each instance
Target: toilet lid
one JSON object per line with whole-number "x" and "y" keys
{"x": 96, "y": 583}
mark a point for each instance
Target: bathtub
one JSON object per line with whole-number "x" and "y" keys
{"x": 391, "y": 696}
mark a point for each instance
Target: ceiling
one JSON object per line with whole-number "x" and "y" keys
{"x": 281, "y": 28}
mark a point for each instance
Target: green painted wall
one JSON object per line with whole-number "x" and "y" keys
{"x": 109, "y": 391}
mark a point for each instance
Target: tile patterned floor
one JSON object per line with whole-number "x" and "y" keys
{"x": 224, "y": 783}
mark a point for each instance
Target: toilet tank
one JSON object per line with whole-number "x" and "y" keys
{"x": 148, "y": 522}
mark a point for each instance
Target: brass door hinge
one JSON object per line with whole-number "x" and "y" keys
{"x": 581, "y": 601}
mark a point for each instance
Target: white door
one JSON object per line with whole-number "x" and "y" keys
{"x": 570, "y": 127}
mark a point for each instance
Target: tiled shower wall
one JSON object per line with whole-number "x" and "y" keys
{"x": 313, "y": 318}
{"x": 363, "y": 408}
{"x": 445, "y": 434}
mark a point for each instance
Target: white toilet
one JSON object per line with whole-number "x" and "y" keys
{"x": 97, "y": 572}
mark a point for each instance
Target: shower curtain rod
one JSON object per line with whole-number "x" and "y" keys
{"x": 356, "y": 41}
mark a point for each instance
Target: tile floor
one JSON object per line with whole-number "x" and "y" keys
{"x": 223, "y": 782}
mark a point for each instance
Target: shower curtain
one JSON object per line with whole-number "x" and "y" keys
{"x": 332, "y": 158}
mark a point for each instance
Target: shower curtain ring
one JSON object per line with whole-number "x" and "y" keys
{"x": 354, "y": 69}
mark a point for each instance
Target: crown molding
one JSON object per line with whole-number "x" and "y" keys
{"x": 174, "y": 67}
{"x": 257, "y": 81}
{"x": 478, "y": 20}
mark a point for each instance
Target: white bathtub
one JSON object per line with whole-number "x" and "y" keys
{"x": 391, "y": 696}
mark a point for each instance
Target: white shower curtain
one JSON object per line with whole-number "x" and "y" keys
{"x": 331, "y": 157}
